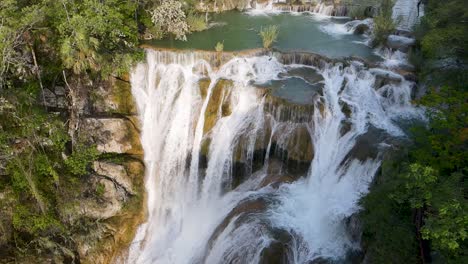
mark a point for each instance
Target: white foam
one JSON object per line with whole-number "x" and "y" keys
{"x": 186, "y": 205}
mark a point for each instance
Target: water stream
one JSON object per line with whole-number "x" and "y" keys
{"x": 263, "y": 159}
{"x": 224, "y": 150}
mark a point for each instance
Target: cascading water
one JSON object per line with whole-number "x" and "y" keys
{"x": 277, "y": 6}
{"x": 407, "y": 13}
{"x": 219, "y": 144}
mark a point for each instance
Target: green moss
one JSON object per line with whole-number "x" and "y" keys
{"x": 122, "y": 96}
{"x": 80, "y": 160}
{"x": 217, "y": 101}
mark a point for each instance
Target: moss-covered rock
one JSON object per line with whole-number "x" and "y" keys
{"x": 112, "y": 135}
{"x": 218, "y": 104}
{"x": 113, "y": 96}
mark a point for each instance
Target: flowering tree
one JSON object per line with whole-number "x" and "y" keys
{"x": 170, "y": 17}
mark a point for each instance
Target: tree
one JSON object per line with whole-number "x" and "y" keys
{"x": 383, "y": 23}
{"x": 17, "y": 26}
{"x": 170, "y": 17}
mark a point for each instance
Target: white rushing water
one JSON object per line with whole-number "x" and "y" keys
{"x": 204, "y": 214}
{"x": 278, "y": 6}
{"x": 406, "y": 13}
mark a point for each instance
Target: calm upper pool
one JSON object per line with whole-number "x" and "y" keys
{"x": 304, "y": 32}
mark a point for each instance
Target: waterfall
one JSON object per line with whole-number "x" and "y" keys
{"x": 277, "y": 6}
{"x": 406, "y": 13}
{"x": 221, "y": 148}
{"x": 323, "y": 9}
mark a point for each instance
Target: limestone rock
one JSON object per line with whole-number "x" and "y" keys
{"x": 114, "y": 96}
{"x": 116, "y": 173}
{"x": 55, "y": 98}
{"x": 112, "y": 135}
{"x": 110, "y": 202}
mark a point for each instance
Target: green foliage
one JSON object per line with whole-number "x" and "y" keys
{"x": 269, "y": 35}
{"x": 38, "y": 178}
{"x": 388, "y": 231}
{"x": 17, "y": 25}
{"x": 196, "y": 22}
{"x": 100, "y": 189}
{"x": 78, "y": 163}
{"x": 94, "y": 34}
{"x": 170, "y": 16}
{"x": 445, "y": 30}
{"x": 448, "y": 228}
{"x": 417, "y": 185}
{"x": 431, "y": 180}
{"x": 219, "y": 47}
{"x": 383, "y": 23}
{"x": 26, "y": 221}
{"x": 357, "y": 12}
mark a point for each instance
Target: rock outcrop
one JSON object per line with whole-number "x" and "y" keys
{"x": 112, "y": 196}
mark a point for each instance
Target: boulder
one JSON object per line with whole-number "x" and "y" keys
{"x": 384, "y": 77}
{"x": 400, "y": 43}
{"x": 361, "y": 29}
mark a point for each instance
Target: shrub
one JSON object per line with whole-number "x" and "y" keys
{"x": 357, "y": 12}
{"x": 171, "y": 18}
{"x": 196, "y": 22}
{"x": 219, "y": 47}
{"x": 80, "y": 160}
{"x": 383, "y": 23}
{"x": 269, "y": 35}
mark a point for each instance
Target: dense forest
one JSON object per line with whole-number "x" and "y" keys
{"x": 416, "y": 211}
{"x": 417, "y": 208}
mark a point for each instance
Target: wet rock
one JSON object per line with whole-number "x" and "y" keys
{"x": 308, "y": 74}
{"x": 112, "y": 135}
{"x": 244, "y": 209}
{"x": 275, "y": 176}
{"x": 354, "y": 228}
{"x": 218, "y": 104}
{"x": 400, "y": 43}
{"x": 384, "y": 77}
{"x": 300, "y": 146}
{"x": 361, "y": 29}
{"x": 275, "y": 253}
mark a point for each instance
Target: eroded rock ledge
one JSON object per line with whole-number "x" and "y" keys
{"x": 113, "y": 194}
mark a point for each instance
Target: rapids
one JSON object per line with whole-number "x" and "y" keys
{"x": 223, "y": 148}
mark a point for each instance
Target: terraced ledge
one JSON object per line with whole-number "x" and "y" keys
{"x": 217, "y": 59}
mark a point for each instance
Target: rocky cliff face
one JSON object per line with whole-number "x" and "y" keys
{"x": 106, "y": 117}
